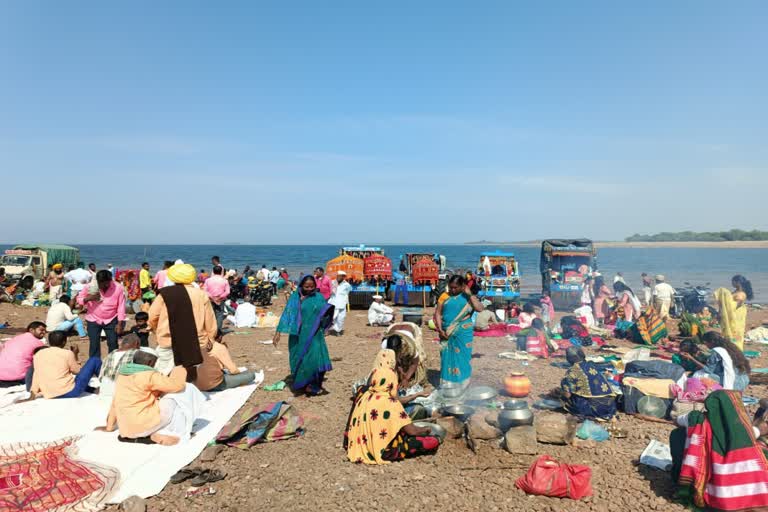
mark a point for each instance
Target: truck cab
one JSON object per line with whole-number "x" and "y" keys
{"x": 33, "y": 260}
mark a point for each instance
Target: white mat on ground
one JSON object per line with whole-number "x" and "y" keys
{"x": 12, "y": 395}
{"x": 144, "y": 469}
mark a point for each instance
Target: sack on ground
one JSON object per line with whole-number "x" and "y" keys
{"x": 548, "y": 477}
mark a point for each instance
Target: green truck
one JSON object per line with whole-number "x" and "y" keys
{"x": 33, "y": 260}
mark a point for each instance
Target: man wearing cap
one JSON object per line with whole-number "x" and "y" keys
{"x": 662, "y": 296}
{"x": 183, "y": 321}
{"x": 379, "y": 314}
{"x": 115, "y": 360}
{"x": 340, "y": 299}
{"x": 54, "y": 281}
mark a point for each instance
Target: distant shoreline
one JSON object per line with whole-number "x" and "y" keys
{"x": 763, "y": 244}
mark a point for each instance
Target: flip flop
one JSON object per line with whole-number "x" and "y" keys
{"x": 183, "y": 475}
{"x": 207, "y": 476}
{"x": 135, "y": 440}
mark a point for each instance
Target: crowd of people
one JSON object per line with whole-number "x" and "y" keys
{"x": 156, "y": 390}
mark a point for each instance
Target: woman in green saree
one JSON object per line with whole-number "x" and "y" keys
{"x": 306, "y": 317}
{"x": 454, "y": 325}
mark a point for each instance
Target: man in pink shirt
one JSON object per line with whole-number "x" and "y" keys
{"x": 105, "y": 311}
{"x": 324, "y": 284}
{"x": 217, "y": 288}
{"x": 16, "y": 356}
{"x": 161, "y": 278}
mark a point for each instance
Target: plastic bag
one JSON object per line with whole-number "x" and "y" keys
{"x": 547, "y": 477}
{"x": 657, "y": 455}
{"x": 637, "y": 354}
{"x": 591, "y": 430}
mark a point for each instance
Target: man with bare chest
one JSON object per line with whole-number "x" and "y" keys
{"x": 55, "y": 280}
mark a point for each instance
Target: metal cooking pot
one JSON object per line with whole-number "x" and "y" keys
{"x": 509, "y": 418}
{"x": 436, "y": 429}
{"x": 480, "y": 394}
{"x": 515, "y": 404}
{"x": 462, "y": 412}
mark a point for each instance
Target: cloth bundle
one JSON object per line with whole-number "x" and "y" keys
{"x": 695, "y": 390}
{"x": 255, "y": 424}
{"x": 547, "y": 477}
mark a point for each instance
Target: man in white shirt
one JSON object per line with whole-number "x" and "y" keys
{"x": 340, "y": 299}
{"x": 78, "y": 279}
{"x": 274, "y": 277}
{"x": 245, "y": 315}
{"x": 264, "y": 273}
{"x": 61, "y": 318}
{"x": 662, "y": 296}
{"x": 379, "y": 314}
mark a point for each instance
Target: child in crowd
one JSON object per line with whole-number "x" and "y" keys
{"x": 141, "y": 329}
{"x": 547, "y": 310}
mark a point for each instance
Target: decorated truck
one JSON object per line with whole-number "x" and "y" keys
{"x": 34, "y": 260}
{"x": 418, "y": 279}
{"x": 564, "y": 265}
{"x": 499, "y": 274}
{"x": 368, "y": 271}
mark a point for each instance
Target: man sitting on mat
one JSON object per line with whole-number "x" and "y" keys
{"x": 218, "y": 372}
{"x": 57, "y": 374}
{"x": 149, "y": 407}
{"x": 128, "y": 347}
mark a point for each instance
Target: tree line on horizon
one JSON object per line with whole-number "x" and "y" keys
{"x": 734, "y": 235}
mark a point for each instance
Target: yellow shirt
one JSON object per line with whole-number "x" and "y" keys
{"x": 135, "y": 407}
{"x": 145, "y": 280}
{"x": 201, "y": 309}
{"x": 55, "y": 370}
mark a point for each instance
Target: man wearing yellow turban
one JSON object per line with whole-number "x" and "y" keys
{"x": 183, "y": 321}
{"x": 54, "y": 281}
{"x": 182, "y": 273}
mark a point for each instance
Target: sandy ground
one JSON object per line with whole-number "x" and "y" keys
{"x": 312, "y": 473}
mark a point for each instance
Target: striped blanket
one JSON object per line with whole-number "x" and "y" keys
{"x": 723, "y": 466}
{"x": 649, "y": 328}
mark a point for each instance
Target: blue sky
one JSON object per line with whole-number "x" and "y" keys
{"x": 326, "y": 122}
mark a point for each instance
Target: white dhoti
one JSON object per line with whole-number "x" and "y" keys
{"x": 178, "y": 412}
{"x": 165, "y": 361}
{"x": 54, "y": 293}
{"x": 380, "y": 318}
{"x": 339, "y": 315}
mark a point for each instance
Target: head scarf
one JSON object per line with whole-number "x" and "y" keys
{"x": 182, "y": 274}
{"x": 57, "y": 266}
{"x": 377, "y": 415}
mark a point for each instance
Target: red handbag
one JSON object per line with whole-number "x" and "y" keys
{"x": 547, "y": 477}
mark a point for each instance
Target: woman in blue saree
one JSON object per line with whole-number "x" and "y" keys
{"x": 306, "y": 317}
{"x": 586, "y": 391}
{"x": 454, "y": 325}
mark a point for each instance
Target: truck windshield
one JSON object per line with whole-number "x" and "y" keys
{"x": 15, "y": 261}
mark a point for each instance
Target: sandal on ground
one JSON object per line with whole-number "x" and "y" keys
{"x": 183, "y": 475}
{"x": 207, "y": 476}
{"x": 136, "y": 440}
